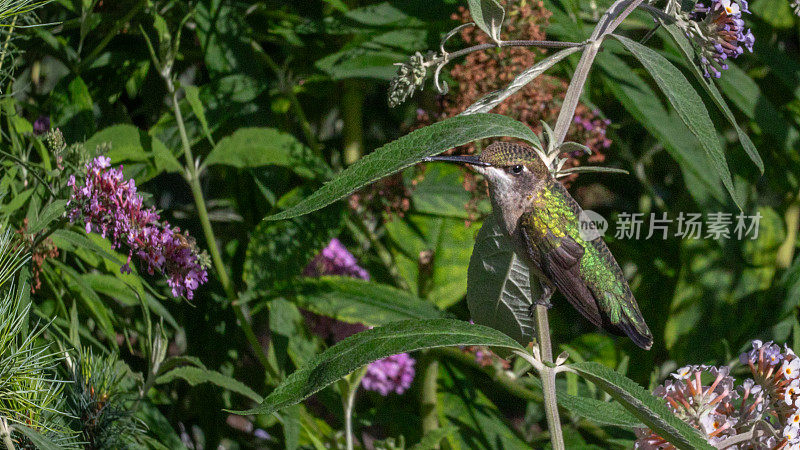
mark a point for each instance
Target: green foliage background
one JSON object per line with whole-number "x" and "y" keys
{"x": 277, "y": 96}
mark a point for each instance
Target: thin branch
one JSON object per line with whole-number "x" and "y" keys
{"x": 516, "y": 43}
{"x": 608, "y": 23}
{"x": 548, "y": 378}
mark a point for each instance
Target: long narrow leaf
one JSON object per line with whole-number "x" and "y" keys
{"x": 492, "y": 99}
{"x": 688, "y": 104}
{"x": 652, "y": 411}
{"x": 407, "y": 151}
{"x": 371, "y": 345}
{"x": 686, "y": 49}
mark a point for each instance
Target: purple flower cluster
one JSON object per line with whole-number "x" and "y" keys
{"x": 41, "y": 125}
{"x": 110, "y": 205}
{"x": 719, "y": 31}
{"x": 335, "y": 259}
{"x": 392, "y": 374}
{"x": 768, "y": 402}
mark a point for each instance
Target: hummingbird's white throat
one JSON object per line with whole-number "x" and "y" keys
{"x": 508, "y": 202}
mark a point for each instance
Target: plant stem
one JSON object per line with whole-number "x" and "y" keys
{"x": 428, "y": 402}
{"x": 211, "y": 241}
{"x": 608, "y": 23}
{"x": 353, "y": 115}
{"x": 349, "y": 387}
{"x": 548, "y": 378}
{"x": 515, "y": 43}
{"x": 348, "y": 401}
{"x": 785, "y": 253}
{"x": 8, "y": 39}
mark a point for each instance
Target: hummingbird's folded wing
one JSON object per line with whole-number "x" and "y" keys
{"x": 558, "y": 257}
{"x": 584, "y": 272}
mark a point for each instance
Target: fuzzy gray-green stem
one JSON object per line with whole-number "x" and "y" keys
{"x": 347, "y": 402}
{"x": 548, "y": 378}
{"x": 349, "y": 387}
{"x": 608, "y": 23}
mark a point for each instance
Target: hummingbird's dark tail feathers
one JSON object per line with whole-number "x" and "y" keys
{"x": 627, "y": 320}
{"x": 638, "y": 333}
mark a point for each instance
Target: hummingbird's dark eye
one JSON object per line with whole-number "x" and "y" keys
{"x": 516, "y": 170}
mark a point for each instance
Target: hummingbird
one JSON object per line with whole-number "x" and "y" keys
{"x": 541, "y": 218}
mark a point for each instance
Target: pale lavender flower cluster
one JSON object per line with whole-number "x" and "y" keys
{"x": 763, "y": 412}
{"x": 392, "y": 374}
{"x": 719, "y": 32}
{"x": 110, "y": 205}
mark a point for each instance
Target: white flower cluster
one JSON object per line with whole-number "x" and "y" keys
{"x": 763, "y": 412}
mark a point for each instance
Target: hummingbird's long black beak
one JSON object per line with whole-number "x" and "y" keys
{"x": 461, "y": 159}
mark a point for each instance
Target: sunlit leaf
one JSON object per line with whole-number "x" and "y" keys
{"x": 358, "y": 301}
{"x": 407, "y": 151}
{"x": 488, "y": 16}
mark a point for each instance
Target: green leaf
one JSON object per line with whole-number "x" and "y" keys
{"x": 37, "y": 439}
{"x": 256, "y": 147}
{"x": 292, "y": 343}
{"x": 777, "y": 13}
{"x": 132, "y": 145}
{"x": 448, "y": 241}
{"x": 357, "y": 301}
{"x": 643, "y": 105}
{"x": 686, "y": 49}
{"x": 197, "y": 375}
{"x": 193, "y": 97}
{"x": 179, "y": 361}
{"x": 359, "y": 62}
{"x": 651, "y": 410}
{"x": 382, "y": 14}
{"x": 598, "y": 411}
{"x": 73, "y": 241}
{"x": 688, "y": 104}
{"x": 464, "y": 403}
{"x": 370, "y": 345}
{"x": 603, "y": 413}
{"x": 498, "y": 285}
{"x": 407, "y": 151}
{"x": 48, "y": 214}
{"x": 17, "y": 201}
{"x": 72, "y": 109}
{"x": 291, "y": 427}
{"x": 488, "y": 16}
{"x": 113, "y": 287}
{"x": 80, "y": 285}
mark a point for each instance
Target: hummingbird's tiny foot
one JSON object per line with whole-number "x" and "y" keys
{"x": 543, "y": 300}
